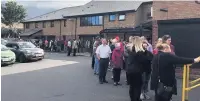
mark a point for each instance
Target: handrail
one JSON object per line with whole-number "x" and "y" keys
{"x": 186, "y": 84}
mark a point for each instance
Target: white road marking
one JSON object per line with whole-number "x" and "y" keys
{"x": 25, "y": 67}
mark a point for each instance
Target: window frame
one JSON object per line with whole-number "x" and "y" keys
{"x": 27, "y": 25}
{"x": 65, "y": 23}
{"x": 88, "y": 20}
{"x": 51, "y": 23}
{"x": 122, "y": 19}
{"x": 36, "y": 25}
{"x": 110, "y": 17}
{"x": 44, "y": 24}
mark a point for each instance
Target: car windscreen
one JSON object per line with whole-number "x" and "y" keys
{"x": 4, "y": 48}
{"x": 26, "y": 45}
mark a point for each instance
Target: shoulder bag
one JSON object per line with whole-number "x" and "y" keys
{"x": 163, "y": 90}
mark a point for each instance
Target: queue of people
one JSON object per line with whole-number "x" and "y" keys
{"x": 141, "y": 63}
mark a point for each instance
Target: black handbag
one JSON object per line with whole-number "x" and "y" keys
{"x": 163, "y": 90}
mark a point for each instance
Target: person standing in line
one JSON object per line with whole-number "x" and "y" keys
{"x": 136, "y": 58}
{"x": 167, "y": 39}
{"x": 96, "y": 64}
{"x": 96, "y": 42}
{"x": 74, "y": 47}
{"x": 59, "y": 44}
{"x": 103, "y": 53}
{"x": 112, "y": 47}
{"x": 79, "y": 45}
{"x": 46, "y": 44}
{"x": 159, "y": 41}
{"x": 65, "y": 45}
{"x": 163, "y": 71}
{"x": 126, "y": 47}
{"x": 117, "y": 61}
{"x": 69, "y": 46}
{"x": 149, "y": 47}
{"x": 50, "y": 45}
{"x": 146, "y": 73}
{"x": 55, "y": 45}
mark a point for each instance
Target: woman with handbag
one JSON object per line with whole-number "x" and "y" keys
{"x": 163, "y": 80}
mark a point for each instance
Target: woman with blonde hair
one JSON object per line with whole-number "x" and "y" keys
{"x": 136, "y": 57}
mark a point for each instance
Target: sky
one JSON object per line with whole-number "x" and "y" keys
{"x": 38, "y": 7}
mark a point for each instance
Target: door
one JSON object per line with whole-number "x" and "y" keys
{"x": 185, "y": 37}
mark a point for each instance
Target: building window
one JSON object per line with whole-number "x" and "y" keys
{"x": 91, "y": 21}
{"x": 44, "y": 24}
{"x": 65, "y": 22}
{"x": 27, "y": 25}
{"x": 112, "y": 17}
{"x": 149, "y": 16}
{"x": 52, "y": 23}
{"x": 122, "y": 17}
{"x": 36, "y": 24}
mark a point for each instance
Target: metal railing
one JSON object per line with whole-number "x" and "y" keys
{"x": 187, "y": 84}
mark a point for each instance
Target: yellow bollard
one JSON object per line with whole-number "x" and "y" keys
{"x": 187, "y": 82}
{"x": 184, "y": 82}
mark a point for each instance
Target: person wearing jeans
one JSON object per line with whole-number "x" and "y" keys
{"x": 96, "y": 66}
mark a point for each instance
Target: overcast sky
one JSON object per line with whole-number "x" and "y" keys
{"x": 55, "y": 4}
{"x": 38, "y": 7}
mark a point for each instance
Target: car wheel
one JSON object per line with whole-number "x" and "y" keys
{"x": 22, "y": 58}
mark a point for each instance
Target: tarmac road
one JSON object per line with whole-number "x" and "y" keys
{"x": 62, "y": 78}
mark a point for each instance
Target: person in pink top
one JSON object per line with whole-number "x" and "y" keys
{"x": 117, "y": 60}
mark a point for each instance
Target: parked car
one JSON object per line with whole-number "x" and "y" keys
{"x": 7, "y": 56}
{"x": 26, "y": 51}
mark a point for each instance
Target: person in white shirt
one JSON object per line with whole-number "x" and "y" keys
{"x": 74, "y": 47}
{"x": 103, "y": 54}
{"x": 69, "y": 45}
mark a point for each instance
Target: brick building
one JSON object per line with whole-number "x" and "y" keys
{"x": 87, "y": 21}
{"x": 180, "y": 19}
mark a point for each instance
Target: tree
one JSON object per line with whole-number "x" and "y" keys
{"x": 12, "y": 13}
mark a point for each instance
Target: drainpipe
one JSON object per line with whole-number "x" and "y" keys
{"x": 60, "y": 30}
{"x": 75, "y": 27}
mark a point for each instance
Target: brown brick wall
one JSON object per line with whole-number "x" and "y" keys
{"x": 176, "y": 10}
{"x": 69, "y": 30}
{"x": 128, "y": 22}
{"x": 48, "y": 30}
